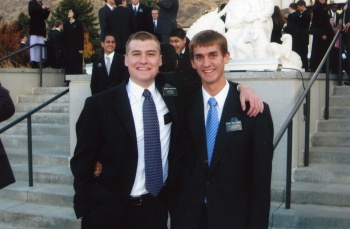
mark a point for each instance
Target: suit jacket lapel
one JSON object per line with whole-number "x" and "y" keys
{"x": 197, "y": 128}
{"x": 121, "y": 106}
{"x": 231, "y": 109}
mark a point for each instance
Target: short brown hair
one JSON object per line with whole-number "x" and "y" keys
{"x": 208, "y": 38}
{"x": 142, "y": 35}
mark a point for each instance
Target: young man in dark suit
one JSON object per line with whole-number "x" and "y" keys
{"x": 102, "y": 16}
{"x": 7, "y": 109}
{"x": 303, "y": 33}
{"x": 55, "y": 43}
{"x": 184, "y": 70}
{"x": 143, "y": 16}
{"x": 167, "y": 18}
{"x": 229, "y": 153}
{"x": 292, "y": 25}
{"x": 121, "y": 22}
{"x": 108, "y": 71}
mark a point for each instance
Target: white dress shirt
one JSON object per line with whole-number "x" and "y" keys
{"x": 220, "y": 99}
{"x": 136, "y": 102}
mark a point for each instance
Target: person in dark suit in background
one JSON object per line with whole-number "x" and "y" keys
{"x": 22, "y": 44}
{"x": 184, "y": 70}
{"x": 143, "y": 16}
{"x": 332, "y": 12}
{"x": 73, "y": 44}
{"x": 55, "y": 45}
{"x": 229, "y": 177}
{"x": 37, "y": 29}
{"x": 155, "y": 13}
{"x": 103, "y": 78}
{"x": 102, "y": 16}
{"x": 169, "y": 58}
{"x": 7, "y": 109}
{"x": 292, "y": 24}
{"x": 121, "y": 22}
{"x": 167, "y": 18}
{"x": 303, "y": 33}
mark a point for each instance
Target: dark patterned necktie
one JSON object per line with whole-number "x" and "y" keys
{"x": 153, "y": 160}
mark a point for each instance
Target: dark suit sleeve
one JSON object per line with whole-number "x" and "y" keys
{"x": 166, "y": 4}
{"x": 7, "y": 108}
{"x": 102, "y": 17}
{"x": 133, "y": 22}
{"x": 262, "y": 153}
{"x": 94, "y": 84}
{"x": 85, "y": 157}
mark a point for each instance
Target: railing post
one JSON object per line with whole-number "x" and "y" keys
{"x": 326, "y": 110}
{"x": 41, "y": 66}
{"x": 340, "y": 60}
{"x": 289, "y": 164}
{"x": 307, "y": 130}
{"x": 30, "y": 150}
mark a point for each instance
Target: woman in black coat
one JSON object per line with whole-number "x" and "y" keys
{"x": 73, "y": 44}
{"x": 322, "y": 33}
{"x": 7, "y": 109}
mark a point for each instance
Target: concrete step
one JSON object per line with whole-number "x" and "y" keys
{"x": 48, "y": 90}
{"x": 40, "y": 129}
{"x": 334, "y": 125}
{"x": 49, "y": 194}
{"x": 339, "y": 112}
{"x": 323, "y": 173}
{"x": 310, "y": 217}
{"x": 52, "y": 118}
{"x": 4, "y": 225}
{"x": 38, "y": 142}
{"x": 41, "y": 99}
{"x": 28, "y": 215}
{"x": 40, "y": 157}
{"x": 341, "y": 90}
{"x": 337, "y": 139}
{"x": 331, "y": 155}
{"x": 313, "y": 193}
{"x": 44, "y": 174}
{"x": 339, "y": 100}
{"x": 53, "y": 107}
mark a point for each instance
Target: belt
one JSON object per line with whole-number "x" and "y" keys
{"x": 140, "y": 200}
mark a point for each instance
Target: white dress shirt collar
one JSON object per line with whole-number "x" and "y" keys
{"x": 110, "y": 7}
{"x": 110, "y": 57}
{"x": 220, "y": 99}
{"x": 137, "y": 6}
{"x": 137, "y": 90}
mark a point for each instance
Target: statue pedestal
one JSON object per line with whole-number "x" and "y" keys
{"x": 270, "y": 64}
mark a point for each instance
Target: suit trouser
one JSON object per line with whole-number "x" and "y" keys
{"x": 148, "y": 213}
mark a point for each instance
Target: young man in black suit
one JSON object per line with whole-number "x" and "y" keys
{"x": 292, "y": 24}
{"x": 143, "y": 16}
{"x": 303, "y": 33}
{"x": 108, "y": 71}
{"x": 121, "y": 22}
{"x": 167, "y": 18}
{"x": 55, "y": 44}
{"x": 184, "y": 70}
{"x": 102, "y": 16}
{"x": 113, "y": 129}
{"x": 7, "y": 109}
{"x": 229, "y": 153}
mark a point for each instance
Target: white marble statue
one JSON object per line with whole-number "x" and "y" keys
{"x": 249, "y": 27}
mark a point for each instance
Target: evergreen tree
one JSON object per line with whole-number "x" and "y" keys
{"x": 22, "y": 23}
{"x": 86, "y": 16}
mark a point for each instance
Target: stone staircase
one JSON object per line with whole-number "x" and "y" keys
{"x": 48, "y": 204}
{"x": 321, "y": 191}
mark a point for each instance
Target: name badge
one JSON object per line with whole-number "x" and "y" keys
{"x": 234, "y": 125}
{"x": 169, "y": 90}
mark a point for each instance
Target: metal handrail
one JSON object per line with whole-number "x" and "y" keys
{"x": 23, "y": 50}
{"x": 28, "y": 116}
{"x": 288, "y": 123}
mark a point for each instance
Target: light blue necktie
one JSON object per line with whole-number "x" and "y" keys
{"x": 212, "y": 126}
{"x": 108, "y": 64}
{"x": 153, "y": 159}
